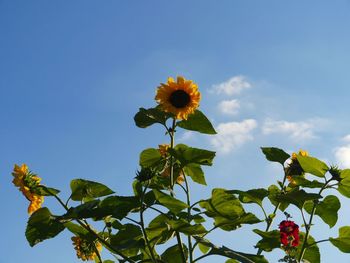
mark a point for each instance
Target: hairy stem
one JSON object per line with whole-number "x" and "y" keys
{"x": 270, "y": 220}
{"x": 142, "y": 224}
{"x": 308, "y": 226}
{"x": 172, "y": 142}
{"x": 189, "y": 237}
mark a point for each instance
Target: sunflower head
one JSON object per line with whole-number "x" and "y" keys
{"x": 180, "y": 97}
{"x": 27, "y": 182}
{"x": 86, "y": 250}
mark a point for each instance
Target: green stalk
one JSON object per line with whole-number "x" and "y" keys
{"x": 142, "y": 224}
{"x": 308, "y": 226}
{"x": 172, "y": 142}
{"x": 270, "y": 220}
{"x": 189, "y": 237}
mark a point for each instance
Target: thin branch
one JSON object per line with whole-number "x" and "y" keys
{"x": 189, "y": 237}
{"x": 142, "y": 224}
{"x": 106, "y": 244}
{"x": 308, "y": 226}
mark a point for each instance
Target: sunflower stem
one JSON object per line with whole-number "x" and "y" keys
{"x": 172, "y": 142}
{"x": 270, "y": 220}
{"x": 189, "y": 237}
{"x": 142, "y": 224}
{"x": 308, "y": 226}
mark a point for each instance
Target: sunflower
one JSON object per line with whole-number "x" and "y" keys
{"x": 27, "y": 183}
{"x": 86, "y": 250}
{"x": 180, "y": 98}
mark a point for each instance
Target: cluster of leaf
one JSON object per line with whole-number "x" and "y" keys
{"x": 309, "y": 193}
{"x": 132, "y": 236}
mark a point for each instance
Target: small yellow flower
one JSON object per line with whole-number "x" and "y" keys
{"x": 180, "y": 98}
{"x": 26, "y": 182}
{"x": 85, "y": 249}
{"x": 163, "y": 149}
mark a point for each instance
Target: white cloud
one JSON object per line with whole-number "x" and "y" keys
{"x": 233, "y": 86}
{"x": 230, "y": 107}
{"x": 342, "y": 156}
{"x": 301, "y": 130}
{"x": 231, "y": 135}
{"x": 187, "y": 135}
{"x": 346, "y": 138}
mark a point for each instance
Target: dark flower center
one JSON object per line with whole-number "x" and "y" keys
{"x": 179, "y": 98}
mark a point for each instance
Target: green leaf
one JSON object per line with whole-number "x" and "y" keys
{"x": 274, "y": 193}
{"x": 312, "y": 253}
{"x": 173, "y": 254}
{"x": 343, "y": 241}
{"x": 229, "y": 253}
{"x": 298, "y": 197}
{"x": 269, "y": 241}
{"x": 118, "y": 206}
{"x": 158, "y": 230}
{"x": 173, "y": 204}
{"x": 231, "y": 261}
{"x": 88, "y": 189}
{"x": 85, "y": 210}
{"x": 252, "y": 196}
{"x": 148, "y": 117}
{"x": 186, "y": 228}
{"x": 231, "y": 224}
{"x": 275, "y": 154}
{"x": 150, "y": 157}
{"x": 42, "y": 225}
{"x": 222, "y": 204}
{"x": 227, "y": 210}
{"x": 198, "y": 219}
{"x": 76, "y": 229}
{"x": 188, "y": 155}
{"x": 196, "y": 173}
{"x": 301, "y": 181}
{"x": 204, "y": 249}
{"x": 128, "y": 240}
{"x": 108, "y": 261}
{"x": 197, "y": 122}
{"x": 344, "y": 184}
{"x": 312, "y": 165}
{"x": 137, "y": 187}
{"x": 327, "y": 209}
{"x": 45, "y": 191}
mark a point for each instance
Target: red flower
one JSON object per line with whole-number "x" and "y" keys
{"x": 289, "y": 232}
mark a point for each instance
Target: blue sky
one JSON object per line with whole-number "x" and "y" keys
{"x": 74, "y": 73}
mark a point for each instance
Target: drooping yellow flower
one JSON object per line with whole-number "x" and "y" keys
{"x": 85, "y": 249}
{"x": 26, "y": 183}
{"x": 35, "y": 203}
{"x": 163, "y": 149}
{"x": 180, "y": 98}
{"x": 19, "y": 173}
